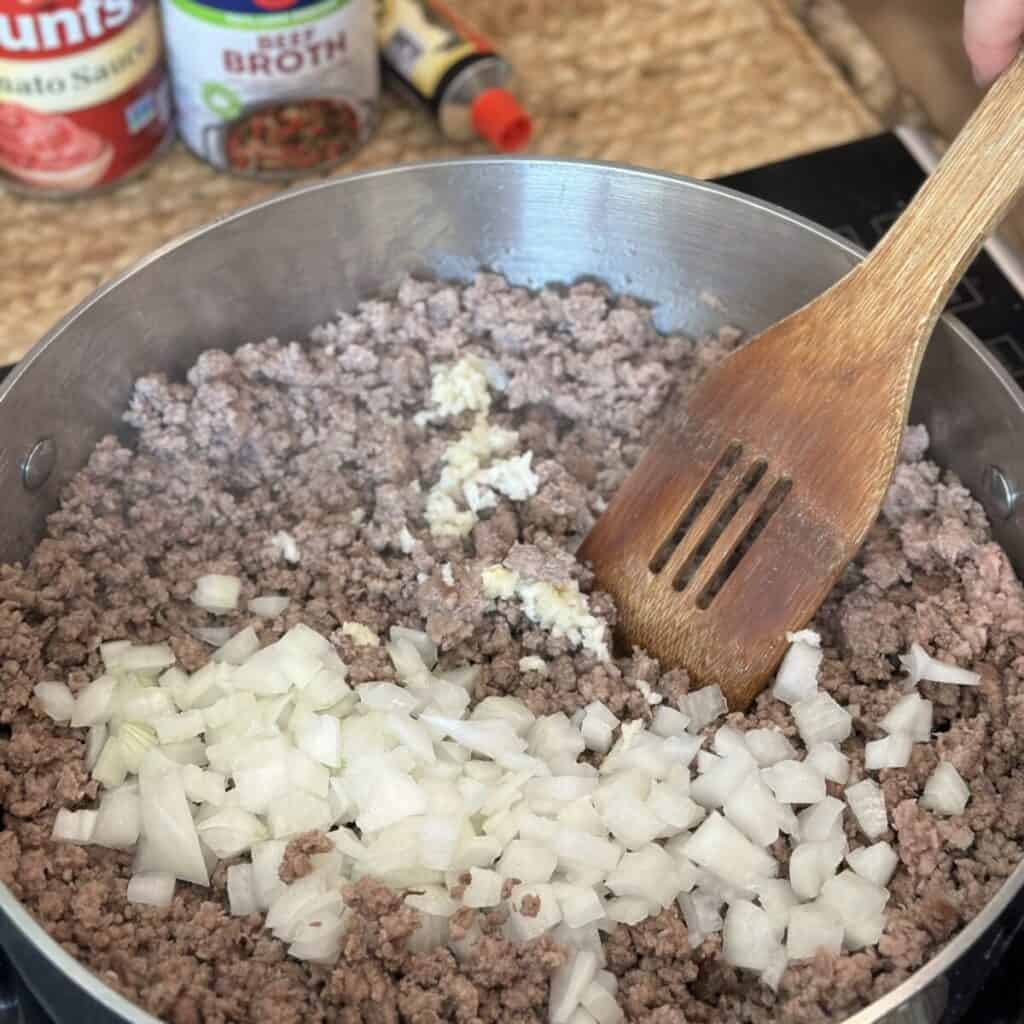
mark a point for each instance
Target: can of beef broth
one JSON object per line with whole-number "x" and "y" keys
{"x": 273, "y": 88}
{"x": 84, "y": 99}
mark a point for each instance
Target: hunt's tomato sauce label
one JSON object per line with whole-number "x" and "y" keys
{"x": 273, "y": 88}
{"x": 83, "y": 93}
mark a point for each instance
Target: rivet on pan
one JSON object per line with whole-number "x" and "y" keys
{"x": 37, "y": 466}
{"x": 1001, "y": 492}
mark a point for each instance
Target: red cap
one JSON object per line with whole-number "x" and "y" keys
{"x": 499, "y": 119}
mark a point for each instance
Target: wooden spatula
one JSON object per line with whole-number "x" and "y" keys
{"x": 741, "y": 516}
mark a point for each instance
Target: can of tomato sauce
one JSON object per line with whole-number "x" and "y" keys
{"x": 273, "y": 88}
{"x": 84, "y": 100}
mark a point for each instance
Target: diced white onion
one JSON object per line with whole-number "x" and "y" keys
{"x": 242, "y": 896}
{"x": 56, "y": 700}
{"x": 889, "y": 752}
{"x": 812, "y": 864}
{"x": 875, "y": 863}
{"x": 240, "y": 647}
{"x": 823, "y": 820}
{"x": 795, "y": 782}
{"x": 830, "y": 761}
{"x": 945, "y": 792}
{"x": 703, "y": 706}
{"x": 911, "y": 714}
{"x": 812, "y": 929}
{"x": 152, "y": 888}
{"x": 719, "y": 846}
{"x": 95, "y": 704}
{"x": 73, "y": 826}
{"x": 748, "y": 939}
{"x": 859, "y": 905}
{"x": 668, "y": 721}
{"x": 867, "y": 803}
{"x": 820, "y": 719}
{"x": 119, "y": 819}
{"x": 797, "y": 678}
{"x": 568, "y": 984}
{"x": 918, "y": 665}
{"x": 269, "y": 606}
{"x": 769, "y": 746}
{"x": 217, "y": 593}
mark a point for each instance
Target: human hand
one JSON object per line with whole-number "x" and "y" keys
{"x": 992, "y": 35}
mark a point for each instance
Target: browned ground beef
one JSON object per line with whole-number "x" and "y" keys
{"x": 318, "y": 439}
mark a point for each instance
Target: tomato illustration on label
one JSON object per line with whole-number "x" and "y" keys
{"x": 83, "y": 94}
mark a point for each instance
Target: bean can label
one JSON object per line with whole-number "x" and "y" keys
{"x": 83, "y": 93}
{"x": 273, "y": 88}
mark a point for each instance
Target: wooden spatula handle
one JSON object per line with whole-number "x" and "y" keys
{"x": 923, "y": 256}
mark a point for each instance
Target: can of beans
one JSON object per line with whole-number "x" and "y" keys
{"x": 273, "y": 88}
{"x": 84, "y": 100}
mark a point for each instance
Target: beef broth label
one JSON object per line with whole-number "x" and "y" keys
{"x": 83, "y": 94}
{"x": 273, "y": 88}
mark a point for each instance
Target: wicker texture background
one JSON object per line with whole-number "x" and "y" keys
{"x": 699, "y": 87}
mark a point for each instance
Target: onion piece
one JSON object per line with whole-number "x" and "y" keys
{"x": 56, "y": 700}
{"x": 703, "y": 706}
{"x": 820, "y": 719}
{"x": 812, "y": 864}
{"x": 875, "y": 863}
{"x": 813, "y": 928}
{"x": 266, "y": 861}
{"x": 217, "y": 593}
{"x": 719, "y": 846}
{"x": 769, "y": 746}
{"x": 135, "y": 740}
{"x": 178, "y": 728}
{"x": 748, "y": 937}
{"x": 911, "y": 714}
{"x": 797, "y": 678}
{"x": 242, "y": 896}
{"x": 269, "y": 606}
{"x": 628, "y": 910}
{"x": 172, "y": 843}
{"x": 146, "y": 658}
{"x": 667, "y": 722}
{"x": 867, "y": 802}
{"x": 319, "y": 736}
{"x": 151, "y": 888}
{"x": 700, "y": 911}
{"x": 820, "y": 821}
{"x": 754, "y": 811}
{"x": 510, "y": 710}
{"x": 94, "y": 744}
{"x": 795, "y": 782}
{"x": 110, "y": 769}
{"x": 919, "y": 665}
{"x": 568, "y": 984}
{"x": 524, "y": 927}
{"x": 777, "y": 899}
{"x": 945, "y": 792}
{"x": 230, "y": 831}
{"x": 484, "y": 889}
{"x": 601, "y": 1004}
{"x": 239, "y": 648}
{"x": 73, "y": 827}
{"x": 830, "y": 761}
{"x": 889, "y": 752}
{"x": 723, "y": 778}
{"x": 215, "y": 636}
{"x": 95, "y": 704}
{"x": 119, "y": 819}
{"x": 203, "y": 787}
{"x": 859, "y": 904}
{"x": 298, "y": 812}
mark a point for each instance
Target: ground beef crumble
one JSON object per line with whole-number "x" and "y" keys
{"x": 318, "y": 440}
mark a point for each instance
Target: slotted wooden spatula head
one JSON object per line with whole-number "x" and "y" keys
{"x": 743, "y": 513}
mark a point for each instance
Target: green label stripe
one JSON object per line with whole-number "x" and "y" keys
{"x": 258, "y": 22}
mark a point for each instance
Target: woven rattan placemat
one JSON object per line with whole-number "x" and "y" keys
{"x": 699, "y": 87}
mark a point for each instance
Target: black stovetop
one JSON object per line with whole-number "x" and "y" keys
{"x": 856, "y": 190}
